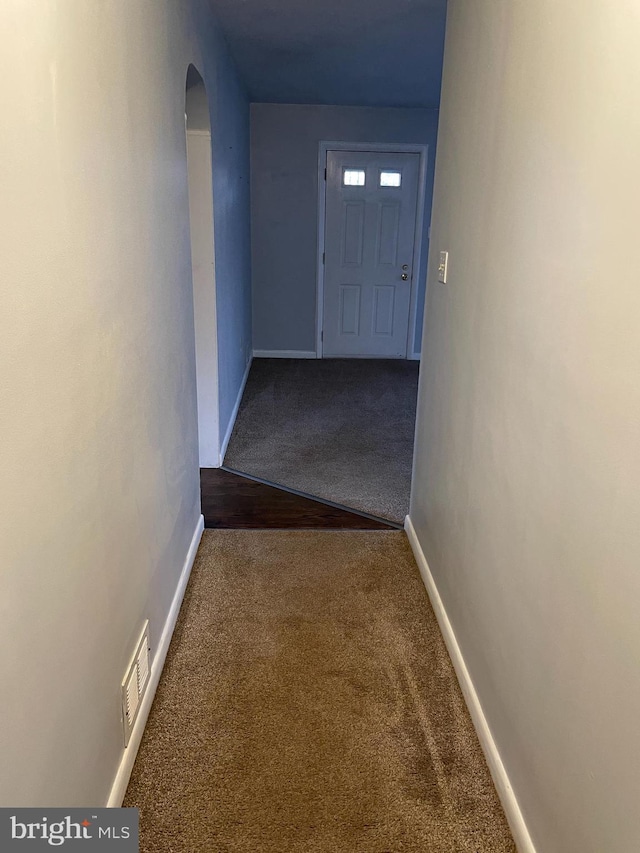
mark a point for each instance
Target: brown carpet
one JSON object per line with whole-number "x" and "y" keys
{"x": 308, "y": 705}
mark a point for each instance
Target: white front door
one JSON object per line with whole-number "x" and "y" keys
{"x": 370, "y": 229}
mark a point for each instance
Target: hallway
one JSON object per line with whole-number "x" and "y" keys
{"x": 195, "y": 187}
{"x": 308, "y": 705}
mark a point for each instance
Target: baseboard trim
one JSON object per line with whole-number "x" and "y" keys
{"x": 283, "y": 353}
{"x": 234, "y": 414}
{"x": 498, "y": 771}
{"x": 119, "y": 787}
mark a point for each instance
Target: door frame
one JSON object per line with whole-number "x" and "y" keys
{"x": 384, "y": 148}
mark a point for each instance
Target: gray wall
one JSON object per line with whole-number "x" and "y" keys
{"x": 525, "y": 494}
{"x": 228, "y": 111}
{"x": 99, "y": 495}
{"x": 284, "y": 193}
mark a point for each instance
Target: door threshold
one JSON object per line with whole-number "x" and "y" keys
{"x": 393, "y": 524}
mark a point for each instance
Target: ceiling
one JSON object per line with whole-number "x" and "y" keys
{"x": 381, "y": 53}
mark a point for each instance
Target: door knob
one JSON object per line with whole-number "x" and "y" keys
{"x": 404, "y": 276}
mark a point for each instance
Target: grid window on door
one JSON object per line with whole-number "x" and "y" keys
{"x": 353, "y": 178}
{"x": 390, "y": 179}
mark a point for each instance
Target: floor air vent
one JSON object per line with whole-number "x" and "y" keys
{"x": 135, "y": 683}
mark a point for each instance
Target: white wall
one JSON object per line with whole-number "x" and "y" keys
{"x": 284, "y": 207}
{"x": 199, "y": 151}
{"x": 204, "y": 294}
{"x": 99, "y": 491}
{"x": 525, "y": 496}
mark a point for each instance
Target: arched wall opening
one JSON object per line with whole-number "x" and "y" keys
{"x": 198, "y": 143}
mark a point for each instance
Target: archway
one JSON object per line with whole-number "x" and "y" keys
{"x": 198, "y": 134}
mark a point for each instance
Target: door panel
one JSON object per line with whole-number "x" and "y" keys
{"x": 371, "y": 201}
{"x": 353, "y": 234}
{"x": 383, "y": 305}
{"x": 389, "y": 222}
{"x": 350, "y": 309}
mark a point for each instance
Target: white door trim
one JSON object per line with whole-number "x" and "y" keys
{"x": 384, "y": 147}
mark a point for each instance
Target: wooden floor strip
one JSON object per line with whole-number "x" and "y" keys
{"x": 233, "y": 501}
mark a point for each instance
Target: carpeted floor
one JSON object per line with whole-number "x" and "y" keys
{"x": 339, "y": 429}
{"x": 308, "y": 705}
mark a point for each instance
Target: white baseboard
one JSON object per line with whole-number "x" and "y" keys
{"x": 234, "y": 413}
{"x": 415, "y": 356}
{"x": 283, "y": 353}
{"x": 506, "y": 793}
{"x": 119, "y": 787}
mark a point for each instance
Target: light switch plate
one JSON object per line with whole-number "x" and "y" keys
{"x": 442, "y": 268}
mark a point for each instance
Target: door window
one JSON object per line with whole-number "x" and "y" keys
{"x": 353, "y": 178}
{"x": 390, "y": 179}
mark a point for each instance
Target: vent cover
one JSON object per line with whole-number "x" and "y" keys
{"x": 135, "y": 683}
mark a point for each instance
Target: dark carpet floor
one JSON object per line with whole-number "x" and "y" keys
{"x": 308, "y": 705}
{"x": 339, "y": 429}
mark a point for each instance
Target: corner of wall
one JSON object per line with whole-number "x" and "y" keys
{"x": 123, "y": 774}
{"x": 499, "y": 774}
